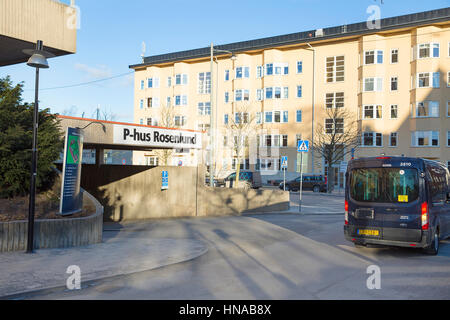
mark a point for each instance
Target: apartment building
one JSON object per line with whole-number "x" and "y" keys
{"x": 394, "y": 80}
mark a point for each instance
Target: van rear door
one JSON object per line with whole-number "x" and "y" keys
{"x": 386, "y": 199}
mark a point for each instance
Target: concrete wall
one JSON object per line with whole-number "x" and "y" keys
{"x": 55, "y": 233}
{"x": 134, "y": 192}
{"x": 32, "y": 20}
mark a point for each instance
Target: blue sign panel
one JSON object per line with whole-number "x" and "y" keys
{"x": 284, "y": 162}
{"x": 71, "y": 197}
{"x": 165, "y": 180}
{"x": 303, "y": 146}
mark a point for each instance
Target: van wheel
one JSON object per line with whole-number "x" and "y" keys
{"x": 316, "y": 189}
{"x": 433, "y": 248}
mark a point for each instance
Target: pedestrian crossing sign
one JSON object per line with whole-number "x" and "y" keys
{"x": 284, "y": 162}
{"x": 303, "y": 146}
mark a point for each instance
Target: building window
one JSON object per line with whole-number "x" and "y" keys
{"x": 269, "y": 69}
{"x": 244, "y": 164}
{"x": 181, "y": 79}
{"x": 225, "y": 119}
{"x": 142, "y": 84}
{"x": 204, "y": 108}
{"x": 180, "y": 121}
{"x": 394, "y": 56}
{"x": 335, "y": 69}
{"x": 428, "y": 50}
{"x": 153, "y": 82}
{"x": 227, "y": 75}
{"x": 448, "y": 79}
{"x": 241, "y": 117}
{"x": 153, "y": 102}
{"x": 423, "y": 80}
{"x": 373, "y": 84}
{"x": 394, "y": 83}
{"x": 333, "y": 126}
{"x": 259, "y": 71}
{"x": 141, "y": 104}
{"x": 169, "y": 101}
{"x": 204, "y": 82}
{"x": 281, "y": 68}
{"x": 373, "y": 112}
{"x": 152, "y": 161}
{"x": 242, "y": 95}
{"x": 393, "y": 139}
{"x": 267, "y": 164}
{"x": 259, "y": 94}
{"x": 372, "y": 139}
{"x": 426, "y": 109}
{"x": 141, "y": 121}
{"x": 298, "y": 116}
{"x": 299, "y": 91}
{"x": 227, "y": 97}
{"x": 259, "y": 117}
{"x": 448, "y": 138}
{"x": 448, "y": 108}
{"x": 425, "y": 138}
{"x": 269, "y": 93}
{"x": 373, "y": 56}
{"x": 268, "y": 117}
{"x": 181, "y": 100}
{"x": 299, "y": 66}
{"x": 169, "y": 82}
{"x": 334, "y": 100}
{"x": 394, "y": 111}
{"x": 152, "y": 122}
{"x": 242, "y": 72}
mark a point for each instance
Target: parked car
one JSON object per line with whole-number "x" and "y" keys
{"x": 397, "y": 201}
{"x": 316, "y": 183}
{"x": 217, "y": 182}
{"x": 252, "y": 177}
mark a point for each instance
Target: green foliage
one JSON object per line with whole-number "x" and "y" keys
{"x": 16, "y": 139}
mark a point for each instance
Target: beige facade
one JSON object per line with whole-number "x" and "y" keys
{"x": 23, "y": 22}
{"x": 396, "y": 82}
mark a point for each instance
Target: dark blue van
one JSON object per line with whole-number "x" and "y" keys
{"x": 397, "y": 201}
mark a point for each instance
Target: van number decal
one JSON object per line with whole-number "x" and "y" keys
{"x": 405, "y": 164}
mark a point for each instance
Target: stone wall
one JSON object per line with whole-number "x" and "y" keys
{"x": 134, "y": 193}
{"x": 55, "y": 233}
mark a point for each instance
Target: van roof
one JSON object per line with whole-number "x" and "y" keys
{"x": 417, "y": 162}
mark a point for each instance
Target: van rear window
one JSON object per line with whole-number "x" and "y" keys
{"x": 395, "y": 185}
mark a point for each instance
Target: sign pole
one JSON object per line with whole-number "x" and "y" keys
{"x": 284, "y": 179}
{"x": 301, "y": 181}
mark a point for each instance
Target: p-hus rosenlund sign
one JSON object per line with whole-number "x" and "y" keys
{"x": 157, "y": 137}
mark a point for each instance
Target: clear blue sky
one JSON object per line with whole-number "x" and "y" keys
{"x": 111, "y": 34}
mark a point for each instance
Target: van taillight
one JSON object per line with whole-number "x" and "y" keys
{"x": 346, "y": 212}
{"x": 424, "y": 214}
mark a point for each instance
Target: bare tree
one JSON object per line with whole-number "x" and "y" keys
{"x": 336, "y": 138}
{"x": 167, "y": 120}
{"x": 241, "y": 126}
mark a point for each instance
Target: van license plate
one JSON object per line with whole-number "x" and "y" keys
{"x": 368, "y": 232}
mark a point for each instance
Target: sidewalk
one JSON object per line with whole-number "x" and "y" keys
{"x": 20, "y": 272}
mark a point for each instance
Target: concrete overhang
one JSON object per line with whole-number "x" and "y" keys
{"x": 101, "y": 134}
{"x": 23, "y": 22}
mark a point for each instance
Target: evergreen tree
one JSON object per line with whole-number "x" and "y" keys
{"x": 16, "y": 134}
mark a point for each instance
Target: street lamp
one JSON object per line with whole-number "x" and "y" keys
{"x": 313, "y": 102}
{"x": 211, "y": 152}
{"x": 38, "y": 60}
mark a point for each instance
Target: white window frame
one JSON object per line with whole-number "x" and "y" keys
{"x": 415, "y": 111}
{"x": 333, "y": 96}
{"x": 415, "y": 137}
{"x": 390, "y": 86}
{"x": 390, "y": 111}
{"x": 334, "y": 70}
{"x": 374, "y": 139}
{"x": 203, "y": 85}
{"x": 376, "y": 54}
{"x": 398, "y": 56}
{"x": 431, "y": 49}
{"x": 299, "y": 63}
{"x": 431, "y": 80}
{"x": 374, "y": 110}
{"x": 396, "y": 139}
{"x": 377, "y": 84}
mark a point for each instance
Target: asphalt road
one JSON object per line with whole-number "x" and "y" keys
{"x": 272, "y": 256}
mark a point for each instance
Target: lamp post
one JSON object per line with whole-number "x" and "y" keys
{"x": 211, "y": 126}
{"x": 38, "y": 60}
{"x": 313, "y": 103}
